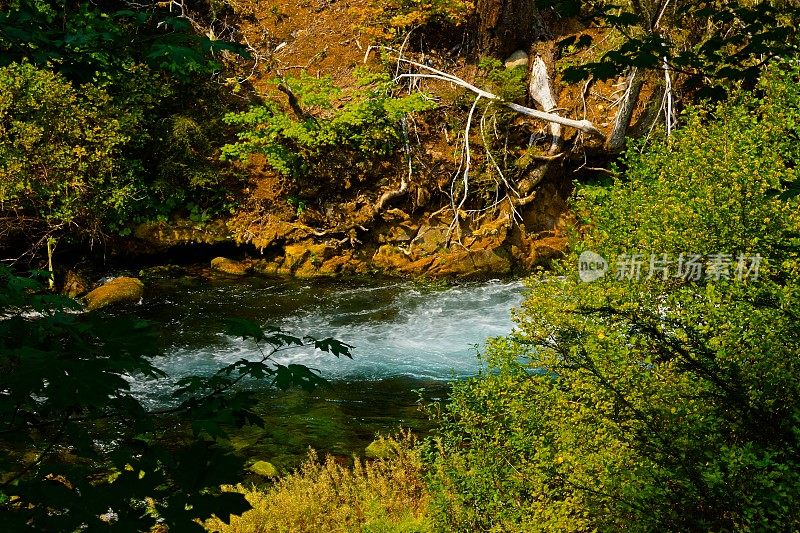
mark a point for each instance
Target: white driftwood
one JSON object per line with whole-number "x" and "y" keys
{"x": 541, "y": 90}
{"x": 582, "y": 125}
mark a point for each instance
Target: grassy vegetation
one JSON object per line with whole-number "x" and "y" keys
{"x": 378, "y": 496}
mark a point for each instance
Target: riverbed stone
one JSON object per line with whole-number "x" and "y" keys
{"x": 264, "y": 469}
{"x": 163, "y": 235}
{"x": 462, "y": 263}
{"x": 276, "y": 231}
{"x": 304, "y": 259}
{"x": 230, "y": 266}
{"x": 390, "y": 258}
{"x": 429, "y": 239}
{"x": 381, "y": 449}
{"x": 116, "y": 291}
{"x": 344, "y": 263}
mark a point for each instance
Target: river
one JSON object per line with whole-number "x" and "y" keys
{"x": 410, "y": 339}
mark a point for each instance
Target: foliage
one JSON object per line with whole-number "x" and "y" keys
{"x": 124, "y": 147}
{"x": 386, "y": 20}
{"x": 654, "y": 404}
{"x": 327, "y": 129}
{"x": 509, "y": 84}
{"x": 80, "y": 450}
{"x": 60, "y": 148}
{"x": 81, "y": 40}
{"x": 712, "y": 180}
{"x": 386, "y": 495}
{"x": 709, "y": 43}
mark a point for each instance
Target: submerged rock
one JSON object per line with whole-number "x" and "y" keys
{"x": 381, "y": 449}
{"x": 264, "y": 468}
{"x": 230, "y": 266}
{"x": 115, "y": 291}
{"x": 163, "y": 272}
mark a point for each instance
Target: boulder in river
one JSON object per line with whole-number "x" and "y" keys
{"x": 264, "y": 469}
{"x": 115, "y": 291}
{"x": 230, "y": 266}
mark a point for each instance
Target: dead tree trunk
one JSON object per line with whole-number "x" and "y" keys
{"x": 540, "y": 90}
{"x": 616, "y": 139}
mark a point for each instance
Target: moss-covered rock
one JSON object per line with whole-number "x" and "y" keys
{"x": 264, "y": 468}
{"x": 118, "y": 290}
{"x": 230, "y": 266}
{"x": 163, "y": 235}
{"x": 390, "y": 258}
{"x": 381, "y": 449}
{"x": 470, "y": 263}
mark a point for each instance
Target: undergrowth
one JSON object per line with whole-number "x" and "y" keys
{"x": 380, "y": 496}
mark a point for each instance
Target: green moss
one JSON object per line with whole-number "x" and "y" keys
{"x": 118, "y": 290}
{"x": 264, "y": 468}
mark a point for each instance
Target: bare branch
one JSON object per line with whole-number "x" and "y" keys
{"x": 582, "y": 125}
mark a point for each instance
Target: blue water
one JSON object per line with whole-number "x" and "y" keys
{"x": 399, "y": 329}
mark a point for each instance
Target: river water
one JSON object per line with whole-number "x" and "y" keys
{"x": 409, "y": 340}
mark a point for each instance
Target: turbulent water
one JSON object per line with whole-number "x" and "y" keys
{"x": 399, "y": 329}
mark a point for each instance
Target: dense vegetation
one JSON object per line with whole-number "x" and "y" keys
{"x": 380, "y": 495}
{"x": 316, "y": 140}
{"x": 655, "y": 402}
{"x": 661, "y": 396}
{"x": 96, "y": 132}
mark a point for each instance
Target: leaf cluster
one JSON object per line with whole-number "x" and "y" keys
{"x": 326, "y": 129}
{"x": 712, "y": 44}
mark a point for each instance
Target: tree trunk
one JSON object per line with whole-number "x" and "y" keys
{"x": 616, "y": 139}
{"x": 505, "y": 26}
{"x": 541, "y": 90}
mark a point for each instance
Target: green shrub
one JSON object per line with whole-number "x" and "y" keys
{"x": 60, "y": 149}
{"x": 660, "y": 404}
{"x": 332, "y": 135}
{"x": 384, "y": 495}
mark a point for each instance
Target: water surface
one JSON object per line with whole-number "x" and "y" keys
{"x": 409, "y": 340}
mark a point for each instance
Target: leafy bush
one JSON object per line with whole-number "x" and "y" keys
{"x": 60, "y": 148}
{"x": 711, "y": 45}
{"x": 708, "y": 188}
{"x": 96, "y": 134}
{"x": 331, "y": 136}
{"x": 387, "y": 20}
{"x": 386, "y": 495}
{"x": 660, "y": 404}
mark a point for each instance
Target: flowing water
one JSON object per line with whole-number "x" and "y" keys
{"x": 409, "y": 340}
